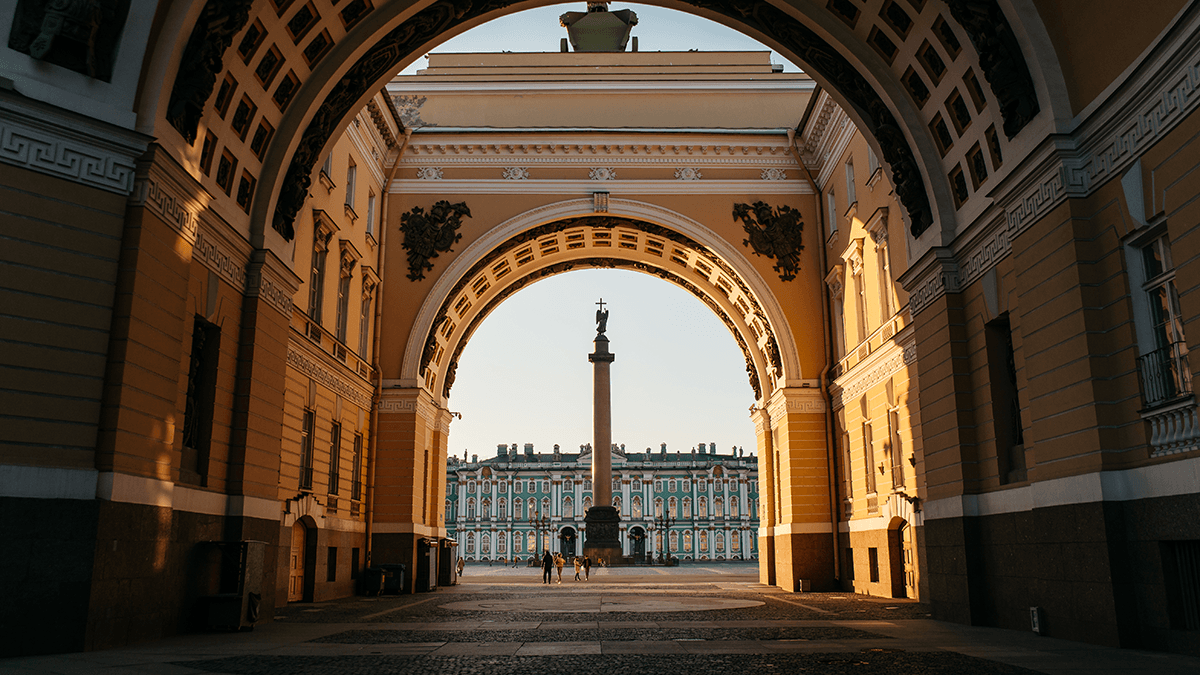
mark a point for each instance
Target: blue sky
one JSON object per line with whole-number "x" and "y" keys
{"x": 679, "y": 377}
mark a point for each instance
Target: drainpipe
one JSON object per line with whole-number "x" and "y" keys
{"x": 377, "y": 340}
{"x": 829, "y": 337}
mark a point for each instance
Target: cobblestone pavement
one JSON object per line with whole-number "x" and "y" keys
{"x": 502, "y": 621}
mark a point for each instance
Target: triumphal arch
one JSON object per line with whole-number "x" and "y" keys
{"x": 242, "y": 258}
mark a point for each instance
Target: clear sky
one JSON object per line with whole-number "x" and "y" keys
{"x": 679, "y": 377}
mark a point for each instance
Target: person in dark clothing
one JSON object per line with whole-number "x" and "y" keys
{"x": 587, "y": 567}
{"x": 547, "y": 566}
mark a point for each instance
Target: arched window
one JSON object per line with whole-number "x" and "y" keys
{"x": 587, "y": 504}
{"x": 636, "y": 485}
{"x": 702, "y": 507}
{"x": 703, "y": 541}
{"x": 501, "y": 544}
{"x": 658, "y": 486}
{"x": 532, "y": 538}
{"x": 518, "y": 487}
{"x": 485, "y": 544}
{"x": 471, "y": 508}
{"x": 568, "y": 508}
{"x": 674, "y": 541}
{"x": 671, "y": 485}
{"x": 532, "y": 487}
{"x": 687, "y": 485}
{"x": 518, "y": 541}
{"x": 449, "y": 510}
{"x": 658, "y": 508}
{"x": 503, "y": 487}
{"x": 718, "y": 507}
{"x": 687, "y": 507}
{"x": 470, "y": 543}
{"x": 545, "y": 506}
{"x": 734, "y": 507}
{"x": 546, "y": 486}
{"x": 735, "y": 542}
{"x": 617, "y": 505}
{"x": 485, "y": 509}
{"x": 516, "y": 508}
{"x": 616, "y": 484}
{"x": 503, "y": 506}
{"x": 471, "y": 487}
{"x": 672, "y": 509}
{"x": 719, "y": 540}
{"x": 532, "y": 512}
{"x": 487, "y": 487}
{"x": 637, "y": 506}
{"x": 687, "y": 542}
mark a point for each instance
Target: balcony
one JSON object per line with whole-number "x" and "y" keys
{"x": 1165, "y": 375}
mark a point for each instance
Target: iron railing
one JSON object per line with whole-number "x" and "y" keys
{"x": 1165, "y": 374}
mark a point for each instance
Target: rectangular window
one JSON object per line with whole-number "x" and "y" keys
{"x": 371, "y": 213}
{"x": 335, "y": 457}
{"x": 1163, "y": 365}
{"x": 201, "y": 398}
{"x": 897, "y": 451}
{"x": 356, "y": 469}
{"x": 316, "y": 282}
{"x": 833, "y": 213}
{"x": 1006, "y": 406}
{"x": 331, "y": 564}
{"x": 327, "y": 167}
{"x": 1181, "y": 574}
{"x": 851, "y": 192}
{"x": 306, "y": 449}
{"x": 225, "y": 95}
{"x": 243, "y": 116}
{"x": 364, "y": 327}
{"x": 343, "y": 306}
{"x": 872, "y": 162}
{"x": 868, "y": 445}
{"x": 351, "y": 179}
{"x": 873, "y": 563}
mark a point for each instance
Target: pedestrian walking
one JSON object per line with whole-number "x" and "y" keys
{"x": 547, "y": 566}
{"x": 587, "y": 567}
{"x": 558, "y": 563}
{"x": 578, "y": 567}
{"x": 461, "y": 565}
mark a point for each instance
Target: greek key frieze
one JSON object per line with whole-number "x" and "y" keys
{"x": 314, "y": 370}
{"x": 172, "y": 208}
{"x": 216, "y": 259}
{"x": 63, "y": 157}
{"x": 259, "y": 285}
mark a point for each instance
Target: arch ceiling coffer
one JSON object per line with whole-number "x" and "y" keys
{"x": 601, "y": 242}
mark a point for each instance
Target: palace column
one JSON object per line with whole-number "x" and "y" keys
{"x": 603, "y": 521}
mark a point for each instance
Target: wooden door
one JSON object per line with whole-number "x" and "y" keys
{"x": 908, "y": 551}
{"x": 296, "y": 566}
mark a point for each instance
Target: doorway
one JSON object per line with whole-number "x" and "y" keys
{"x": 296, "y": 563}
{"x": 566, "y": 542}
{"x": 637, "y": 543}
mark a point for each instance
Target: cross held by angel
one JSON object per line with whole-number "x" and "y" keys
{"x": 601, "y": 318}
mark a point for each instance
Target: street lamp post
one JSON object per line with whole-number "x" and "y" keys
{"x": 663, "y": 524}
{"x": 540, "y": 524}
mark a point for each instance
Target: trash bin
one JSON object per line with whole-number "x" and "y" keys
{"x": 393, "y": 577}
{"x": 373, "y": 580}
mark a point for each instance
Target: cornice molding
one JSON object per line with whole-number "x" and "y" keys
{"x": 934, "y": 275}
{"x": 883, "y": 363}
{"x": 72, "y": 147}
{"x": 587, "y": 186}
{"x": 309, "y": 364}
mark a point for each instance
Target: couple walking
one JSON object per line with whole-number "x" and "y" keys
{"x": 556, "y": 561}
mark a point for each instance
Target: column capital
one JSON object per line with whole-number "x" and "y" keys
{"x": 804, "y": 400}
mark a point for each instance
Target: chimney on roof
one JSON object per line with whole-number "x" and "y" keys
{"x": 474, "y": 459}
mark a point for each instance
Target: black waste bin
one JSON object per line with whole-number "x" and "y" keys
{"x": 373, "y": 581}
{"x": 393, "y": 577}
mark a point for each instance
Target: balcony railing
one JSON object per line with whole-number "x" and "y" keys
{"x": 1165, "y": 374}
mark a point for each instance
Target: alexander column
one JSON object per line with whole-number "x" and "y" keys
{"x": 603, "y": 541}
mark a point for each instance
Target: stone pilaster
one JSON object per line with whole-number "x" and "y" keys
{"x": 803, "y": 534}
